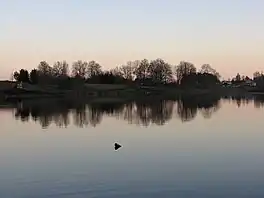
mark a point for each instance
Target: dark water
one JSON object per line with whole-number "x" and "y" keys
{"x": 194, "y": 147}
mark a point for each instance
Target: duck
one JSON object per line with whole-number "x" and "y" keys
{"x": 117, "y": 146}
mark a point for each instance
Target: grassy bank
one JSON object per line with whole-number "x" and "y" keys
{"x": 106, "y": 91}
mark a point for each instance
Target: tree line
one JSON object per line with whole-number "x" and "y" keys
{"x": 154, "y": 72}
{"x": 259, "y": 79}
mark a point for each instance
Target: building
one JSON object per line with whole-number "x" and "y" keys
{"x": 250, "y": 83}
{"x": 226, "y": 83}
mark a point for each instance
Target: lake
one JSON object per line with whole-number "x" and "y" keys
{"x": 194, "y": 147}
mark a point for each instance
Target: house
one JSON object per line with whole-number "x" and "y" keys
{"x": 226, "y": 83}
{"x": 244, "y": 83}
{"x": 250, "y": 83}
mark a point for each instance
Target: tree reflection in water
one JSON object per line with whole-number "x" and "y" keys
{"x": 142, "y": 112}
{"x": 243, "y": 100}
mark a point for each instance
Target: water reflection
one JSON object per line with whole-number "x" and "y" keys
{"x": 240, "y": 101}
{"x": 188, "y": 107}
{"x": 142, "y": 112}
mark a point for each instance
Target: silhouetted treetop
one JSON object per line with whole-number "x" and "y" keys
{"x": 80, "y": 69}
{"x": 22, "y": 76}
{"x": 60, "y": 69}
{"x": 143, "y": 72}
{"x": 206, "y": 68}
{"x": 184, "y": 69}
{"x": 34, "y": 76}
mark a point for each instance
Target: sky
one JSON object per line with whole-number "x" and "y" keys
{"x": 227, "y": 34}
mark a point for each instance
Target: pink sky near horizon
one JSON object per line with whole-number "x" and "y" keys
{"x": 228, "y": 35}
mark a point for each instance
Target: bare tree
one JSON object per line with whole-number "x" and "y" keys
{"x": 256, "y": 74}
{"x": 60, "y": 69}
{"x": 206, "y": 68}
{"x": 80, "y": 69}
{"x": 141, "y": 70}
{"x": 94, "y": 69}
{"x": 237, "y": 78}
{"x": 160, "y": 71}
{"x": 44, "y": 68}
{"x": 184, "y": 69}
{"x": 116, "y": 71}
{"x": 45, "y": 73}
{"x": 128, "y": 70}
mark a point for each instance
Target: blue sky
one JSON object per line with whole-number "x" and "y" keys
{"x": 229, "y": 35}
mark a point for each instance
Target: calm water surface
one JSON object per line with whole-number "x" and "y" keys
{"x": 209, "y": 148}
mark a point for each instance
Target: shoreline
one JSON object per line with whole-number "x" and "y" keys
{"x": 122, "y": 94}
{"x": 101, "y": 92}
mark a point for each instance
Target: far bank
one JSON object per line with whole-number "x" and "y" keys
{"x": 10, "y": 91}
